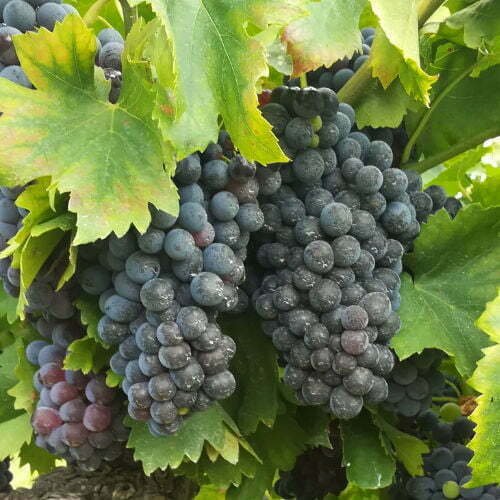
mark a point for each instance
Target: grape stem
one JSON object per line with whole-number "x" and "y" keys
{"x": 426, "y": 8}
{"x": 303, "y": 80}
{"x": 455, "y": 150}
{"x": 357, "y": 85}
{"x": 426, "y": 116}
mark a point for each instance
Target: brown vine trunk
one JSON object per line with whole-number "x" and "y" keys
{"x": 111, "y": 482}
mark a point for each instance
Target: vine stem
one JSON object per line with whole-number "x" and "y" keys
{"x": 129, "y": 16}
{"x": 357, "y": 85}
{"x": 460, "y": 147}
{"x": 303, "y": 80}
{"x": 430, "y": 111}
{"x": 425, "y": 10}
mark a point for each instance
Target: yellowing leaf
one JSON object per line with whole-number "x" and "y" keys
{"x": 110, "y": 158}
{"x": 395, "y": 50}
{"x": 15, "y": 433}
{"x": 328, "y": 33}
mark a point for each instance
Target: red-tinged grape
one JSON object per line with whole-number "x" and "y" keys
{"x": 74, "y": 434}
{"x": 204, "y": 237}
{"x": 45, "y": 420}
{"x": 73, "y": 411}
{"x": 51, "y": 374}
{"x": 97, "y": 391}
{"x": 139, "y": 414}
{"x": 101, "y": 440}
{"x": 63, "y": 392}
{"x": 265, "y": 97}
{"x": 76, "y": 378}
{"x": 97, "y": 418}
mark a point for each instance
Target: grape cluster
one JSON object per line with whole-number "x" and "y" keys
{"x": 446, "y": 468}
{"x": 161, "y": 291}
{"x": 11, "y": 218}
{"x": 331, "y": 249}
{"x": 5, "y": 476}
{"x": 413, "y": 382}
{"x": 449, "y": 426}
{"x": 337, "y": 75}
{"x": 432, "y": 199}
{"x": 77, "y": 416}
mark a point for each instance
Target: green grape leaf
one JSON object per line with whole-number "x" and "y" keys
{"x": 70, "y": 269}
{"x": 8, "y": 306}
{"x": 455, "y": 272}
{"x": 35, "y": 199}
{"x": 408, "y": 449}
{"x": 222, "y": 76}
{"x": 219, "y": 473}
{"x": 9, "y": 358}
{"x": 113, "y": 379}
{"x": 445, "y": 125}
{"x": 209, "y": 492}
{"x": 125, "y": 160}
{"x": 486, "y": 460}
{"x": 278, "y": 448}
{"x": 477, "y": 26}
{"x": 15, "y": 433}
{"x": 328, "y": 33}
{"x": 39, "y": 460}
{"x": 23, "y": 391}
{"x": 100, "y": 14}
{"x": 316, "y": 422}
{"x": 8, "y": 362}
{"x": 87, "y": 355}
{"x": 34, "y": 254}
{"x": 256, "y": 372}
{"x": 368, "y": 463}
{"x": 276, "y": 55}
{"x": 90, "y": 314}
{"x": 395, "y": 50}
{"x": 486, "y": 187}
{"x": 456, "y": 176}
{"x": 379, "y": 107}
{"x": 353, "y": 492}
{"x": 210, "y": 426}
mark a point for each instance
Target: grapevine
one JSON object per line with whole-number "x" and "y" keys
{"x": 249, "y": 249}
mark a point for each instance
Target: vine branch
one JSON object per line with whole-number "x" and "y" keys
{"x": 357, "y": 85}
{"x": 460, "y": 147}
